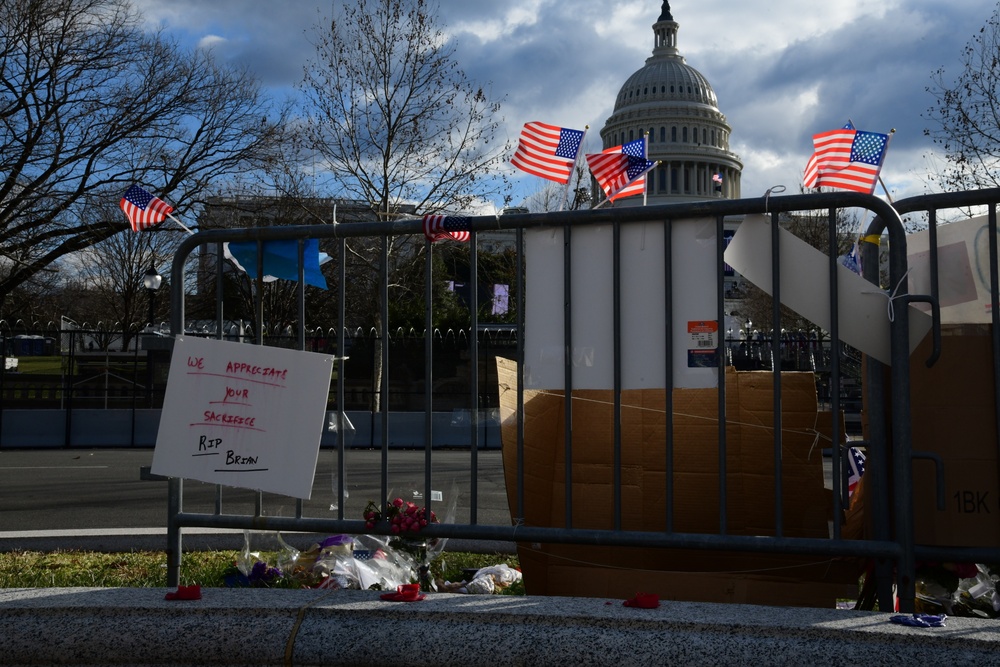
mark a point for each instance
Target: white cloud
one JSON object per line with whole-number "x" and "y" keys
{"x": 782, "y": 69}
{"x": 209, "y": 42}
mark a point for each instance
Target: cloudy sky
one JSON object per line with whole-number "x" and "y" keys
{"x": 782, "y": 70}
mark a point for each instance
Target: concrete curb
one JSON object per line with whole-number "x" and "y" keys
{"x": 137, "y": 626}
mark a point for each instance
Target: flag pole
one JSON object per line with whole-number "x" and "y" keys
{"x": 655, "y": 165}
{"x": 576, "y": 160}
{"x": 885, "y": 189}
{"x": 183, "y": 226}
{"x": 645, "y": 154}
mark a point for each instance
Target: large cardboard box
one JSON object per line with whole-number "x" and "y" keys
{"x": 749, "y": 476}
{"x": 953, "y": 414}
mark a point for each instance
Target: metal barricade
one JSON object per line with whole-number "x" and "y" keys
{"x": 891, "y": 545}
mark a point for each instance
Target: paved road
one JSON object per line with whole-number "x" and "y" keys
{"x": 63, "y": 498}
{"x": 96, "y": 497}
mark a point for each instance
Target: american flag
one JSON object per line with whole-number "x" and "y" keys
{"x": 846, "y": 159}
{"x": 621, "y": 170}
{"x": 856, "y": 464}
{"x": 142, "y": 209}
{"x": 548, "y": 151}
{"x": 438, "y": 227}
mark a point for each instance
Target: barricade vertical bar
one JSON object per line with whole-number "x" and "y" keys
{"x": 991, "y": 218}
{"x": 259, "y": 309}
{"x": 668, "y": 374}
{"x": 932, "y": 234}
{"x": 175, "y": 486}
{"x": 341, "y": 343}
{"x": 135, "y": 381}
{"x": 474, "y": 375}
{"x": 3, "y": 374}
{"x": 428, "y": 368}
{"x": 219, "y": 290}
{"x": 519, "y": 352}
{"x": 68, "y": 392}
{"x": 301, "y": 293}
{"x": 568, "y": 370}
{"x": 721, "y": 384}
{"x": 901, "y": 425}
{"x": 383, "y": 388}
{"x": 616, "y": 307}
{"x": 834, "y": 382}
{"x": 877, "y": 461}
{"x": 258, "y": 303}
{"x": 175, "y": 489}
{"x": 779, "y": 521}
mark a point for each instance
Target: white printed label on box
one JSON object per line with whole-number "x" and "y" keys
{"x": 703, "y": 335}
{"x": 703, "y": 343}
{"x": 243, "y": 415}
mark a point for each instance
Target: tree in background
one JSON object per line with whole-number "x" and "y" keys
{"x": 555, "y": 196}
{"x": 91, "y": 103}
{"x": 398, "y": 125}
{"x": 966, "y": 116}
{"x": 393, "y": 116}
{"x": 112, "y": 273}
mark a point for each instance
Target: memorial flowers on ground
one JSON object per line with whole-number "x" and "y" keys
{"x": 958, "y": 589}
{"x": 406, "y": 520}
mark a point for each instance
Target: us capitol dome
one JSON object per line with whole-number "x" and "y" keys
{"x": 675, "y": 104}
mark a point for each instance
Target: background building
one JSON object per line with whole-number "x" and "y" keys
{"x": 675, "y": 105}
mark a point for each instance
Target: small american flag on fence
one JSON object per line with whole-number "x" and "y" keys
{"x": 442, "y": 227}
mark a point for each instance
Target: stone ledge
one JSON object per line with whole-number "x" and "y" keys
{"x": 137, "y": 626}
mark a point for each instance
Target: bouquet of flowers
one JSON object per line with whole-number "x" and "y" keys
{"x": 403, "y": 517}
{"x": 406, "y": 520}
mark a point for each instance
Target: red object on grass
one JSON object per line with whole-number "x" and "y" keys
{"x": 405, "y": 593}
{"x": 192, "y": 592}
{"x": 643, "y": 601}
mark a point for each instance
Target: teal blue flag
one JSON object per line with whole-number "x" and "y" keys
{"x": 281, "y": 260}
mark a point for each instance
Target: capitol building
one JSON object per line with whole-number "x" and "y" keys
{"x": 674, "y": 104}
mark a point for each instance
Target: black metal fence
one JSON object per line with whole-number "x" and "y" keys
{"x": 74, "y": 369}
{"x": 889, "y": 543}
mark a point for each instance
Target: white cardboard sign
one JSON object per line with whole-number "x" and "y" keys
{"x": 643, "y": 321}
{"x": 963, "y": 249}
{"x": 863, "y": 308}
{"x": 243, "y": 415}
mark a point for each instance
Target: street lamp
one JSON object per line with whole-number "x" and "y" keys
{"x": 152, "y": 280}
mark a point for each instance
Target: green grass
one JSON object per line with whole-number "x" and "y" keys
{"x": 147, "y": 569}
{"x": 51, "y": 365}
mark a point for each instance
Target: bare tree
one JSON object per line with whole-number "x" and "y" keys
{"x": 112, "y": 272}
{"x": 966, "y": 116}
{"x": 91, "y": 103}
{"x": 399, "y": 126}
{"x": 553, "y": 196}
{"x": 394, "y": 117}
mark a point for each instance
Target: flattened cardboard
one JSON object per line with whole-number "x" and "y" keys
{"x": 953, "y": 415}
{"x": 963, "y": 249}
{"x": 750, "y": 460}
{"x": 617, "y": 576}
{"x": 805, "y": 288}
